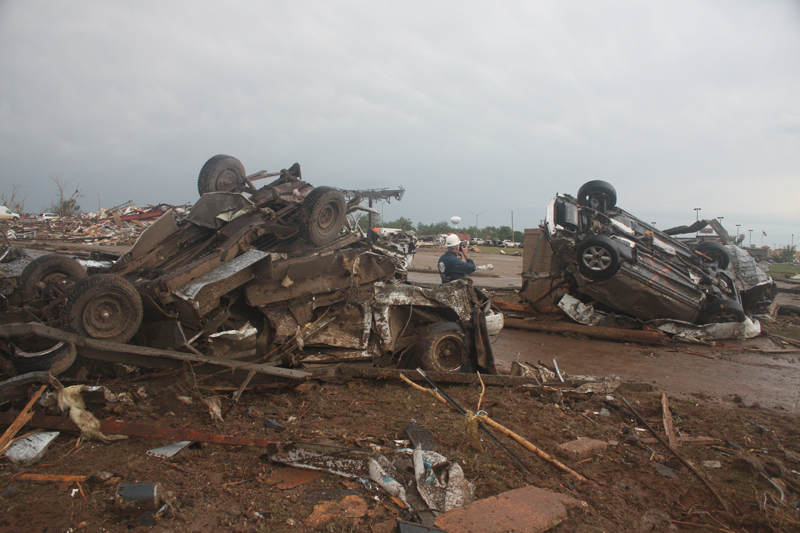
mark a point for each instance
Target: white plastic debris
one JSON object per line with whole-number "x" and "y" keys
{"x": 165, "y": 452}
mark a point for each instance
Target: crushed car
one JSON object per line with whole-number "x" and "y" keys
{"x": 274, "y": 274}
{"x": 610, "y": 256}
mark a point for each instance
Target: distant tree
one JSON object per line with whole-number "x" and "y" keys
{"x": 518, "y": 236}
{"x": 15, "y": 202}
{"x": 787, "y": 254}
{"x": 434, "y": 229}
{"x": 402, "y": 223}
{"x": 490, "y": 231}
{"x": 504, "y": 233}
{"x": 64, "y": 205}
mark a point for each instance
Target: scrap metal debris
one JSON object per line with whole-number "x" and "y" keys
{"x": 273, "y": 275}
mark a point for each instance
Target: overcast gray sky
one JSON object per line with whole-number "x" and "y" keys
{"x": 471, "y": 106}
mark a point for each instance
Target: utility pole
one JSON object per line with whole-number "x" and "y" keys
{"x": 737, "y": 233}
{"x": 750, "y": 239}
{"x": 512, "y": 226}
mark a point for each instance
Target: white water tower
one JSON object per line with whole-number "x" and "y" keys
{"x": 455, "y": 221}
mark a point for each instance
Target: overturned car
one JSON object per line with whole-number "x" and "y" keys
{"x": 614, "y": 258}
{"x": 272, "y": 274}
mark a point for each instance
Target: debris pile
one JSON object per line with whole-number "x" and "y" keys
{"x": 120, "y": 225}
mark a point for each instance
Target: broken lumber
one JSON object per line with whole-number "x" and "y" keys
{"x": 16, "y": 423}
{"x": 58, "y": 478}
{"x": 595, "y": 332}
{"x": 685, "y": 463}
{"x": 507, "y": 432}
{"x": 515, "y": 307}
{"x": 667, "y": 418}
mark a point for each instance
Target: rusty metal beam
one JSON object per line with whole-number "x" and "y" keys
{"x": 147, "y": 357}
{"x": 148, "y": 431}
{"x": 595, "y": 332}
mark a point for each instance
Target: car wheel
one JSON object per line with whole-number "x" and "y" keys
{"x": 220, "y": 173}
{"x": 716, "y": 252}
{"x": 442, "y": 348}
{"x": 723, "y": 311}
{"x": 322, "y": 215}
{"x": 598, "y": 257}
{"x": 14, "y": 219}
{"x": 48, "y": 276}
{"x": 104, "y": 307}
{"x": 598, "y": 194}
{"x": 55, "y": 360}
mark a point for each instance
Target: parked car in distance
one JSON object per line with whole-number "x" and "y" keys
{"x": 48, "y": 216}
{"x": 7, "y": 214}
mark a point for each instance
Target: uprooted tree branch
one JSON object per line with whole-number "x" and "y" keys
{"x": 64, "y": 204}
{"x": 14, "y": 201}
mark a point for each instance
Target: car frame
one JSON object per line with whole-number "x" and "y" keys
{"x": 277, "y": 272}
{"x": 628, "y": 265}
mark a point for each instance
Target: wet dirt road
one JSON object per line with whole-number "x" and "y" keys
{"x": 505, "y": 273}
{"x": 721, "y": 373}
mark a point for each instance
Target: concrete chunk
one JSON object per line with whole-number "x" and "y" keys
{"x": 525, "y": 510}
{"x": 582, "y": 448}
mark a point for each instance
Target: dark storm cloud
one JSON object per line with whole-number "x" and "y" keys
{"x": 469, "y": 106}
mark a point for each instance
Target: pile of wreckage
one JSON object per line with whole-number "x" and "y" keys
{"x": 266, "y": 281}
{"x": 119, "y": 225}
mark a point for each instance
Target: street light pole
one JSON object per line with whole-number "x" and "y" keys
{"x": 737, "y": 233}
{"x": 476, "y": 218}
{"x": 750, "y": 239}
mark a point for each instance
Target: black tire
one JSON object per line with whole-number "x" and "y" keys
{"x": 14, "y": 219}
{"x": 45, "y": 276}
{"x": 322, "y": 215}
{"x": 716, "y": 252}
{"x": 598, "y": 257}
{"x": 104, "y": 307}
{"x": 55, "y": 360}
{"x": 442, "y": 348}
{"x": 723, "y": 311}
{"x": 220, "y": 173}
{"x": 598, "y": 194}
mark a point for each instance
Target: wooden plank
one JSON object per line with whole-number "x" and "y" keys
{"x": 667, "y": 417}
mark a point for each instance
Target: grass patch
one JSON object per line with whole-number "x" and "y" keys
{"x": 781, "y": 269}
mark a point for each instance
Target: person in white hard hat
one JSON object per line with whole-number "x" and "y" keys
{"x": 451, "y": 267}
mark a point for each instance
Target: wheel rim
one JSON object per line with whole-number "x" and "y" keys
{"x": 327, "y": 216}
{"x": 226, "y": 179}
{"x": 105, "y": 316}
{"x": 597, "y": 200}
{"x": 53, "y": 284}
{"x": 596, "y": 258}
{"x": 448, "y": 352}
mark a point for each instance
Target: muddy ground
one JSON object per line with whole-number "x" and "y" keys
{"x": 732, "y": 392}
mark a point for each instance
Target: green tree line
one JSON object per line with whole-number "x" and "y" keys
{"x": 438, "y": 228}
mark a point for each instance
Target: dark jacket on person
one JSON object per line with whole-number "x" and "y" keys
{"x": 451, "y": 267}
